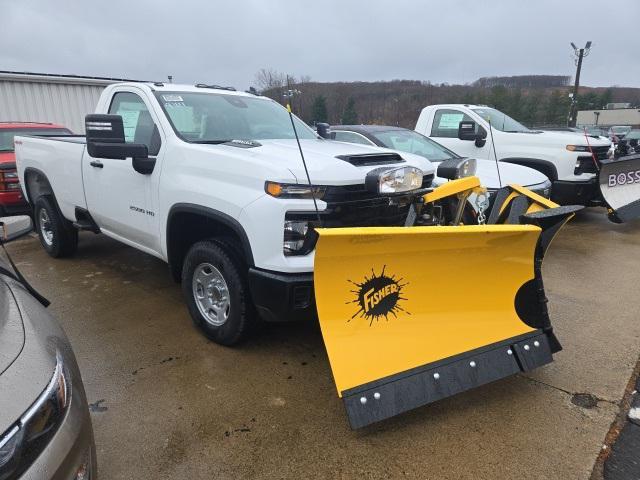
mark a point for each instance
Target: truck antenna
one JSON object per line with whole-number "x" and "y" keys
{"x": 304, "y": 163}
{"x": 495, "y": 154}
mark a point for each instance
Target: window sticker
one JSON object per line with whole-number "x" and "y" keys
{"x": 129, "y": 122}
{"x": 450, "y": 121}
{"x": 172, "y": 98}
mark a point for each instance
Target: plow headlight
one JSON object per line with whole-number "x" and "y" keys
{"x": 578, "y": 148}
{"x": 394, "y": 180}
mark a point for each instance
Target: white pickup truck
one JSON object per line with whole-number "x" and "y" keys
{"x": 566, "y": 159}
{"x": 211, "y": 181}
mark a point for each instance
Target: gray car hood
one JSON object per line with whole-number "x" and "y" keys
{"x": 11, "y": 328}
{"x": 30, "y": 358}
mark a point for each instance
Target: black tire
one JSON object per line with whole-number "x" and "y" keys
{"x": 57, "y": 235}
{"x": 209, "y": 257}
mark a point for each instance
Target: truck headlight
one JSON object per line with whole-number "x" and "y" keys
{"x": 299, "y": 236}
{"x": 25, "y": 439}
{"x": 578, "y": 148}
{"x": 393, "y": 180}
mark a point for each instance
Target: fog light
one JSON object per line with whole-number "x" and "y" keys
{"x": 295, "y": 232}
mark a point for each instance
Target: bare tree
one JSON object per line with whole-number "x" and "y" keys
{"x": 267, "y": 79}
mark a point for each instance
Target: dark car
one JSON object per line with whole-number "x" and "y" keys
{"x": 618, "y": 132}
{"x": 45, "y": 427}
{"x": 409, "y": 141}
{"x": 629, "y": 145}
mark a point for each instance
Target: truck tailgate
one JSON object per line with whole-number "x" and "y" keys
{"x": 60, "y": 160}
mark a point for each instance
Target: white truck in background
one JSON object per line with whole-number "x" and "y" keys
{"x": 566, "y": 159}
{"x": 211, "y": 181}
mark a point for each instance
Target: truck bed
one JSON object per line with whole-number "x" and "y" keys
{"x": 59, "y": 158}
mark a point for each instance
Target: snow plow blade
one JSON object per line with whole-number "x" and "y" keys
{"x": 619, "y": 181}
{"x": 411, "y": 315}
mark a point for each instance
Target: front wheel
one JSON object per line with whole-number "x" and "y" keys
{"x": 57, "y": 235}
{"x": 216, "y": 293}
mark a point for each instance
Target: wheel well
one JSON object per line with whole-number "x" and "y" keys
{"x": 186, "y": 227}
{"x": 36, "y": 185}
{"x": 542, "y": 166}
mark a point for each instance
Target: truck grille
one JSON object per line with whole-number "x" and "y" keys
{"x": 585, "y": 162}
{"x": 354, "y": 206}
{"x": 600, "y": 152}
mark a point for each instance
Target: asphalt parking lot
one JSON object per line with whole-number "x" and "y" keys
{"x": 167, "y": 403}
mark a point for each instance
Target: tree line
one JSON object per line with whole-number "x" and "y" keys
{"x": 535, "y": 100}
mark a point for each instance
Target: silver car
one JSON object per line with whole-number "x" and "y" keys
{"x": 45, "y": 427}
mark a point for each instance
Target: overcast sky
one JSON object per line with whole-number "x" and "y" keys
{"x": 453, "y": 41}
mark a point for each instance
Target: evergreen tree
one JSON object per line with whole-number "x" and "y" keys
{"x": 605, "y": 98}
{"x": 515, "y": 105}
{"x": 468, "y": 98}
{"x": 350, "y": 116}
{"x": 530, "y": 109}
{"x": 554, "y": 113}
{"x": 499, "y": 98}
{"x": 319, "y": 110}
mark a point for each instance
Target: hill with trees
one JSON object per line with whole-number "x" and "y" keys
{"x": 535, "y": 100}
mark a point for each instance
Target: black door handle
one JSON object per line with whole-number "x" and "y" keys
{"x": 96, "y": 164}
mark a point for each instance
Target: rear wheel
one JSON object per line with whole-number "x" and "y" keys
{"x": 57, "y": 235}
{"x": 216, "y": 292}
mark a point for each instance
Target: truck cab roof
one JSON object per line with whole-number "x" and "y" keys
{"x": 34, "y": 125}
{"x": 186, "y": 88}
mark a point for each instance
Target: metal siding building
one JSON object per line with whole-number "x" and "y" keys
{"x": 608, "y": 118}
{"x": 39, "y": 97}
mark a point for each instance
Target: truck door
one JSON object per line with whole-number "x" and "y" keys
{"x": 121, "y": 200}
{"x": 444, "y": 130}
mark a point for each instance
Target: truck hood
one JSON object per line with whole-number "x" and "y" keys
{"x": 322, "y": 162}
{"x": 562, "y": 139}
{"x": 509, "y": 173}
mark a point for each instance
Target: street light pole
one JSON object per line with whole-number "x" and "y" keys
{"x": 580, "y": 53}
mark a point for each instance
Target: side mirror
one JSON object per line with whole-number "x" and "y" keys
{"x": 324, "y": 130}
{"x": 12, "y": 228}
{"x": 467, "y": 131}
{"x": 105, "y": 138}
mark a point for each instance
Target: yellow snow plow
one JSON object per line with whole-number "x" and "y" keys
{"x": 411, "y": 315}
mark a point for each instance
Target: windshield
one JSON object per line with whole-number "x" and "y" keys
{"x": 7, "y": 134}
{"x": 412, "y": 142}
{"x": 500, "y": 121}
{"x": 215, "y": 118}
{"x": 622, "y": 130}
{"x": 633, "y": 135}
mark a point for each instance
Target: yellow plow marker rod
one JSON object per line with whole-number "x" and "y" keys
{"x": 393, "y": 298}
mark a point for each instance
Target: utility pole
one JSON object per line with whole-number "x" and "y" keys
{"x": 579, "y": 53}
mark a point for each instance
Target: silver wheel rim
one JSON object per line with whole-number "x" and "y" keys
{"x": 211, "y": 294}
{"x": 45, "y": 227}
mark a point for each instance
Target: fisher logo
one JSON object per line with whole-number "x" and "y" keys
{"x": 378, "y": 296}
{"x": 629, "y": 178}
